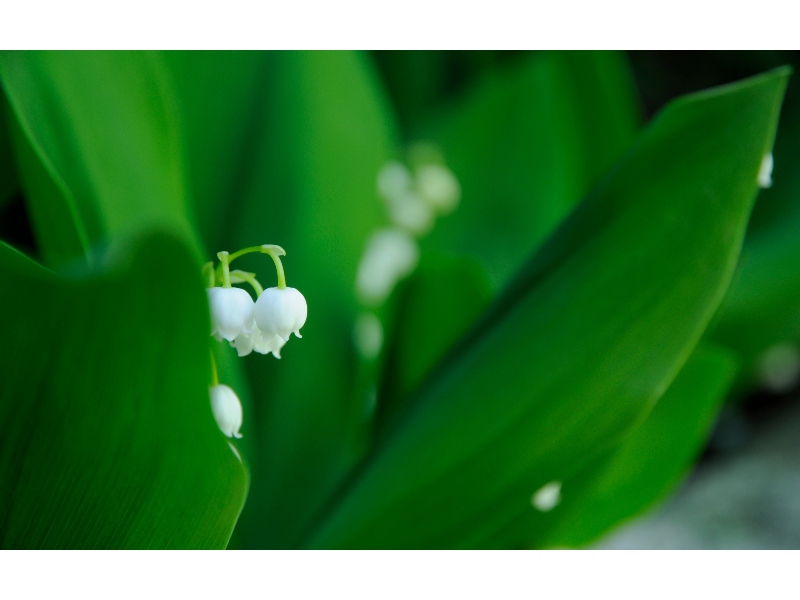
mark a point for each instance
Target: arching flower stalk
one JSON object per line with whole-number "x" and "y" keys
{"x": 263, "y": 326}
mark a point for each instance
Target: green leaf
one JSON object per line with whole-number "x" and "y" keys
{"x": 8, "y": 178}
{"x": 527, "y": 144}
{"x": 107, "y": 439}
{"x": 761, "y": 308}
{"x": 100, "y": 152}
{"x": 441, "y": 301}
{"x": 651, "y": 461}
{"x": 221, "y": 98}
{"x": 588, "y": 336}
{"x": 324, "y": 134}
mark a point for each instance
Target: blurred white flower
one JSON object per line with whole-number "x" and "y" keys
{"x": 765, "y": 171}
{"x": 281, "y": 311}
{"x": 368, "y": 335}
{"x": 231, "y": 312}
{"x": 410, "y": 212}
{"x": 547, "y": 497}
{"x": 394, "y": 179}
{"x": 438, "y": 187}
{"x": 227, "y": 410}
{"x": 390, "y": 255}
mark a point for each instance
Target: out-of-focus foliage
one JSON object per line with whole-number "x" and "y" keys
{"x": 531, "y": 344}
{"x": 105, "y": 434}
{"x": 559, "y": 358}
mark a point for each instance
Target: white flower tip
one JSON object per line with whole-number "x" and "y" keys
{"x": 227, "y": 410}
{"x": 297, "y": 334}
{"x": 547, "y": 497}
{"x": 765, "y": 171}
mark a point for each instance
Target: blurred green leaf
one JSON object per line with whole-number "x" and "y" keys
{"x": 221, "y": 99}
{"x": 581, "y": 344}
{"x": 761, "y": 308}
{"x": 527, "y": 143}
{"x": 650, "y": 461}
{"x": 440, "y": 302}
{"x": 106, "y": 434}
{"x": 324, "y": 133}
{"x": 100, "y": 153}
{"x": 8, "y": 178}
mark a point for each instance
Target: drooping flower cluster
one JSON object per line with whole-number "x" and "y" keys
{"x": 414, "y": 193}
{"x": 263, "y": 326}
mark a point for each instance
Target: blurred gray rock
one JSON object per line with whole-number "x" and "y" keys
{"x": 749, "y": 499}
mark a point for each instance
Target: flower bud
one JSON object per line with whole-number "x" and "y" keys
{"x": 281, "y": 311}
{"x": 231, "y": 312}
{"x": 227, "y": 410}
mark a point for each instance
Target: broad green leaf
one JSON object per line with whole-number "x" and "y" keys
{"x": 762, "y": 306}
{"x": 324, "y": 133}
{"x": 100, "y": 152}
{"x": 221, "y": 100}
{"x": 650, "y": 462}
{"x": 106, "y": 434}
{"x": 526, "y": 144}
{"x": 441, "y": 301}
{"x": 588, "y": 336}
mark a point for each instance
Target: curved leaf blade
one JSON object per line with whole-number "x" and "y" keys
{"x": 106, "y": 434}
{"x": 604, "y": 329}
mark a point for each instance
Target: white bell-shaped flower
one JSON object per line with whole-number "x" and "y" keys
{"x": 259, "y": 342}
{"x": 390, "y": 255}
{"x": 231, "y": 312}
{"x": 281, "y": 311}
{"x": 227, "y": 410}
{"x": 438, "y": 187}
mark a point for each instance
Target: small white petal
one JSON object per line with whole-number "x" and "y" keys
{"x": 227, "y": 410}
{"x": 765, "y": 171}
{"x": 438, "y": 187}
{"x": 547, "y": 497}
{"x": 231, "y": 312}
{"x": 368, "y": 335}
{"x": 394, "y": 179}
{"x": 280, "y": 312}
{"x": 410, "y": 212}
{"x": 390, "y": 255}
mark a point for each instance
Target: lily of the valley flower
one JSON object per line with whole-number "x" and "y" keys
{"x": 258, "y": 342}
{"x": 227, "y": 410}
{"x": 281, "y": 311}
{"x": 231, "y": 312}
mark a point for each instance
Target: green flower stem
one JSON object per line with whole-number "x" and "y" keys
{"x": 214, "y": 374}
{"x": 275, "y": 253}
{"x": 249, "y": 278}
{"x": 209, "y": 275}
{"x": 224, "y": 259}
